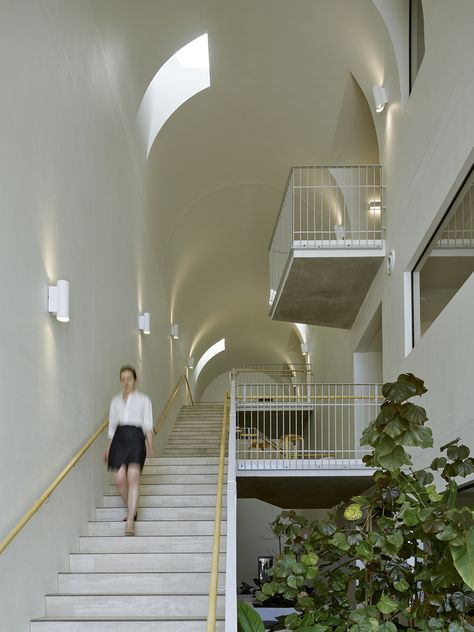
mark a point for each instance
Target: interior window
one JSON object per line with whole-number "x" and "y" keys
{"x": 417, "y": 39}
{"x": 447, "y": 262}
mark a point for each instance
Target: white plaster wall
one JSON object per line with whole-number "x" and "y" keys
{"x": 368, "y": 367}
{"x": 72, "y": 207}
{"x": 216, "y": 389}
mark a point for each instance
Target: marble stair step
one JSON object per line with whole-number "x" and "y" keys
{"x": 178, "y": 479}
{"x": 191, "y": 451}
{"x": 212, "y": 468}
{"x": 122, "y": 625}
{"x": 155, "y": 527}
{"x": 142, "y": 562}
{"x": 202, "y": 460}
{"x": 114, "y": 514}
{"x": 185, "y": 441}
{"x": 165, "y": 488}
{"x": 151, "y": 605}
{"x": 166, "y": 500}
{"x": 171, "y": 583}
{"x": 148, "y": 544}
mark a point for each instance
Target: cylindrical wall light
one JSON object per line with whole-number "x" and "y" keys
{"x": 144, "y": 322}
{"x": 190, "y": 363}
{"x": 174, "y": 332}
{"x": 304, "y": 348}
{"x": 58, "y": 301}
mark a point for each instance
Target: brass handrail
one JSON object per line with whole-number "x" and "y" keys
{"x": 182, "y": 380}
{"x": 34, "y": 508}
{"x": 44, "y": 497}
{"x": 216, "y": 545}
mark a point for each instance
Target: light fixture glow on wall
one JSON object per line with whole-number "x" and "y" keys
{"x": 144, "y": 322}
{"x": 58, "y": 301}
{"x": 380, "y": 97}
{"x": 304, "y": 349}
{"x": 174, "y": 332}
{"x": 375, "y": 208}
{"x": 190, "y": 363}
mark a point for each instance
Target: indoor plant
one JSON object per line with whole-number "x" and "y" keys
{"x": 400, "y": 557}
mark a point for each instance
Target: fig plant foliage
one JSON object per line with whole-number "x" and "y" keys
{"x": 400, "y": 557}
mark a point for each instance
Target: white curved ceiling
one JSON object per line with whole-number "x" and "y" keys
{"x": 282, "y": 92}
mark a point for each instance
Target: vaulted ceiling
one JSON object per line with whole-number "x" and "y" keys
{"x": 290, "y": 84}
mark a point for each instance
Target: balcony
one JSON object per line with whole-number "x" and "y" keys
{"x": 327, "y": 245}
{"x": 297, "y": 442}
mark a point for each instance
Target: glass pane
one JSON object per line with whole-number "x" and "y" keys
{"x": 450, "y": 259}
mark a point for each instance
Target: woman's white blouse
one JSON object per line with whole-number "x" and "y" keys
{"x": 136, "y": 411}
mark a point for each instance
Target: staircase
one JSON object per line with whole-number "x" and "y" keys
{"x": 157, "y": 581}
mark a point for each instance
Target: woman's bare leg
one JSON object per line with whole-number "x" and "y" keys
{"x": 121, "y": 482}
{"x": 133, "y": 480}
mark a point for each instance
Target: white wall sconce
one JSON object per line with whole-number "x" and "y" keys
{"x": 174, "y": 332}
{"x": 58, "y": 301}
{"x": 191, "y": 363}
{"x": 380, "y": 98}
{"x": 340, "y": 232}
{"x": 304, "y": 349}
{"x": 144, "y": 323}
{"x": 375, "y": 208}
{"x": 390, "y": 263}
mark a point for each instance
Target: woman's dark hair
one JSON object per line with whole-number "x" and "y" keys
{"x": 127, "y": 367}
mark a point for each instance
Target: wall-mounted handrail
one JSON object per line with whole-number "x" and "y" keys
{"x": 182, "y": 380}
{"x": 44, "y": 497}
{"x": 216, "y": 545}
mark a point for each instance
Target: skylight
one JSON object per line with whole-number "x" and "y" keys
{"x": 195, "y": 54}
{"x": 184, "y": 74}
{"x": 216, "y": 348}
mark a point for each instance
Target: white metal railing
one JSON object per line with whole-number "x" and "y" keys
{"x": 302, "y": 426}
{"x": 458, "y": 229}
{"x": 329, "y": 208}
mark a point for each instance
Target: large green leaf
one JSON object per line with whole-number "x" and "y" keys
{"x": 406, "y": 386}
{"x": 385, "y": 445}
{"x": 386, "y": 605}
{"x": 248, "y": 619}
{"x": 463, "y": 558}
{"x": 396, "y": 427}
{"x": 395, "y": 459}
{"x": 412, "y": 412}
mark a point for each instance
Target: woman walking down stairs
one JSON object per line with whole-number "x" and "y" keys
{"x": 158, "y": 580}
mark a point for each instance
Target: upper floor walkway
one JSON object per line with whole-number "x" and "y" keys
{"x": 328, "y": 242}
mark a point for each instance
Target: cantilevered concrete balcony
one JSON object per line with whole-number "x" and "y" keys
{"x": 327, "y": 245}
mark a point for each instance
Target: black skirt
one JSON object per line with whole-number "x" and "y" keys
{"x": 128, "y": 446}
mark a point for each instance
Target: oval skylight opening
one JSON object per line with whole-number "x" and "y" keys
{"x": 216, "y": 348}
{"x": 181, "y": 77}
